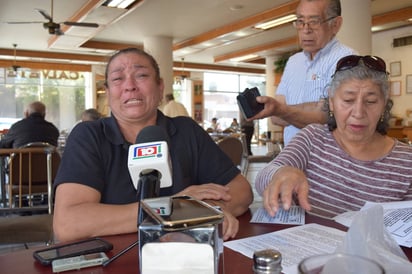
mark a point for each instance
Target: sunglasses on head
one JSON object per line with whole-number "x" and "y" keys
{"x": 351, "y": 61}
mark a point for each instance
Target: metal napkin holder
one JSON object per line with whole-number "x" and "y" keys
{"x": 190, "y": 220}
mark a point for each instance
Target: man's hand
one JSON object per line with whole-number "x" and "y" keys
{"x": 272, "y": 107}
{"x": 299, "y": 115}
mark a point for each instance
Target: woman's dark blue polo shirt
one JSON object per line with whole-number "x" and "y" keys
{"x": 96, "y": 155}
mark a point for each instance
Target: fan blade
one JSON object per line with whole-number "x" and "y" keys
{"x": 45, "y": 14}
{"x": 17, "y": 22}
{"x": 81, "y": 24}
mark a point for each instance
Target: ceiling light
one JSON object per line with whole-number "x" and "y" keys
{"x": 276, "y": 22}
{"x": 120, "y": 4}
{"x": 244, "y": 58}
{"x": 236, "y": 7}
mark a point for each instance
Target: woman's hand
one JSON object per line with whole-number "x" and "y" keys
{"x": 230, "y": 226}
{"x": 215, "y": 195}
{"x": 207, "y": 192}
{"x": 286, "y": 182}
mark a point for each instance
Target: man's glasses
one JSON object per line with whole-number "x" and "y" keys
{"x": 312, "y": 23}
{"x": 372, "y": 62}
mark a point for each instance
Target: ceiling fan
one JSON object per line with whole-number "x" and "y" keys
{"x": 53, "y": 27}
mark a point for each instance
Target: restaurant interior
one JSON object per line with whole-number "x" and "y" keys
{"x": 55, "y": 51}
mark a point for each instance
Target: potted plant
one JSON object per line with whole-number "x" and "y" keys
{"x": 280, "y": 65}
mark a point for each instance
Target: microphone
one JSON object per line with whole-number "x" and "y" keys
{"x": 149, "y": 164}
{"x": 149, "y": 167}
{"x": 150, "y": 153}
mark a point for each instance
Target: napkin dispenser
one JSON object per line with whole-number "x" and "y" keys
{"x": 183, "y": 235}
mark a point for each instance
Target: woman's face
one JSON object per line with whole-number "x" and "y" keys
{"x": 358, "y": 106}
{"x": 133, "y": 92}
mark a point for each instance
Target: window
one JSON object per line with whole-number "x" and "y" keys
{"x": 220, "y": 91}
{"x": 63, "y": 93}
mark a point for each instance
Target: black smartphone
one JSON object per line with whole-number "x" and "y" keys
{"x": 247, "y": 102}
{"x": 83, "y": 247}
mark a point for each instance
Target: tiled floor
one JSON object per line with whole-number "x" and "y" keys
{"x": 253, "y": 169}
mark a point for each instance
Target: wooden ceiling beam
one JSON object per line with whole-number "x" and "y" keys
{"x": 53, "y": 55}
{"x": 276, "y": 44}
{"x": 206, "y": 67}
{"x": 392, "y": 16}
{"x": 279, "y": 11}
{"x": 103, "y": 59}
{"x": 93, "y": 44}
{"x": 46, "y": 65}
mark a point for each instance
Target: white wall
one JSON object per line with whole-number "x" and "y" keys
{"x": 382, "y": 47}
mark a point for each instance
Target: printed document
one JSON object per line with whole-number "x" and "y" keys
{"x": 295, "y": 243}
{"x": 294, "y": 216}
{"x": 397, "y": 217}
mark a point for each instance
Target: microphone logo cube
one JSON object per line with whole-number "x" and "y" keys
{"x": 150, "y": 151}
{"x": 150, "y": 156}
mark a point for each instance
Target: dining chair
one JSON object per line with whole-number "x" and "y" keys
{"x": 266, "y": 158}
{"x": 30, "y": 174}
{"x": 29, "y": 214}
{"x": 233, "y": 148}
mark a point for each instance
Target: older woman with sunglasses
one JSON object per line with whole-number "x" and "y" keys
{"x": 333, "y": 168}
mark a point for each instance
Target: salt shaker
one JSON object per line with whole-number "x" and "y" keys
{"x": 267, "y": 261}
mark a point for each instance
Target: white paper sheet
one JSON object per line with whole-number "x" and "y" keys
{"x": 397, "y": 217}
{"x": 177, "y": 258}
{"x": 294, "y": 216}
{"x": 294, "y": 243}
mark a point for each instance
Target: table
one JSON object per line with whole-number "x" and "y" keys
{"x": 235, "y": 263}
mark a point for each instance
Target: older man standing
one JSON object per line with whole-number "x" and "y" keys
{"x": 299, "y": 96}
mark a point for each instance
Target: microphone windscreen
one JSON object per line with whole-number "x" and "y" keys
{"x": 152, "y": 134}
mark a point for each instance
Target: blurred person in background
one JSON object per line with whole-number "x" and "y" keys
{"x": 32, "y": 128}
{"x": 90, "y": 114}
{"x": 173, "y": 108}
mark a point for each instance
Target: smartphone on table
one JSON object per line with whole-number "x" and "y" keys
{"x": 73, "y": 249}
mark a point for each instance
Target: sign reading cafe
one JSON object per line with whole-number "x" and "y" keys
{"x": 45, "y": 74}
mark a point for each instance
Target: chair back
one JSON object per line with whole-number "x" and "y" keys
{"x": 233, "y": 148}
{"x": 31, "y": 171}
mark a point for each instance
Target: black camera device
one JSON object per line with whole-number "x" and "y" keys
{"x": 247, "y": 102}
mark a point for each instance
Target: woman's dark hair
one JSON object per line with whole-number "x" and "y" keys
{"x": 138, "y": 52}
{"x": 361, "y": 72}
